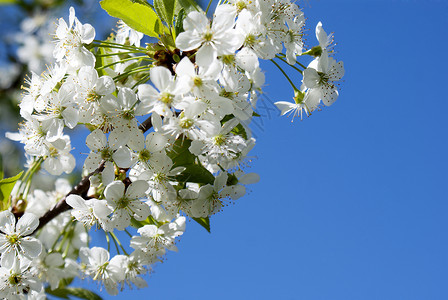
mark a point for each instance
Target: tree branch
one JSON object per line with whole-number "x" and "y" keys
{"x": 80, "y": 189}
{"x": 146, "y": 125}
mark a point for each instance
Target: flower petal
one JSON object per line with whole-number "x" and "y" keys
{"x": 27, "y": 224}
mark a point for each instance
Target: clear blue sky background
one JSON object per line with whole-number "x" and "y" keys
{"x": 352, "y": 202}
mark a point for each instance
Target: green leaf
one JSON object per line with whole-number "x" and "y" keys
{"x": 165, "y": 9}
{"x": 139, "y": 224}
{"x": 136, "y": 14}
{"x": 100, "y": 61}
{"x": 197, "y": 174}
{"x": 83, "y": 294}
{"x": 189, "y": 5}
{"x": 1, "y": 168}
{"x": 65, "y": 282}
{"x": 64, "y": 293}
{"x": 204, "y": 222}
{"x": 6, "y": 2}
{"x": 180, "y": 155}
{"x": 6, "y": 186}
{"x": 60, "y": 292}
{"x": 179, "y": 27}
{"x": 239, "y": 129}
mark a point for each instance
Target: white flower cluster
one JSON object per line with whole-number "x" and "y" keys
{"x": 198, "y": 99}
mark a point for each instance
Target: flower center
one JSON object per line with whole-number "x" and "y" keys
{"x": 219, "y": 140}
{"x": 226, "y": 94}
{"x": 92, "y": 96}
{"x": 166, "y": 98}
{"x": 240, "y": 5}
{"x": 101, "y": 271}
{"x": 53, "y": 152}
{"x": 12, "y": 239}
{"x": 324, "y": 78}
{"x": 208, "y": 36}
{"x": 15, "y": 279}
{"x": 228, "y": 59}
{"x": 250, "y": 40}
{"x": 106, "y": 154}
{"x": 186, "y": 123}
{"x": 123, "y": 203}
{"x": 197, "y": 81}
{"x": 128, "y": 115}
{"x": 144, "y": 155}
{"x": 160, "y": 177}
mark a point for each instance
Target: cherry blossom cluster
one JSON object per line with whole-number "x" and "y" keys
{"x": 169, "y": 138}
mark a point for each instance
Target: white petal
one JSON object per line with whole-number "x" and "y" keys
{"x": 122, "y": 157}
{"x": 108, "y": 174}
{"x": 141, "y": 210}
{"x": 119, "y": 137}
{"x": 185, "y": 68}
{"x": 92, "y": 161}
{"x": 185, "y": 41}
{"x": 155, "y": 141}
{"x": 220, "y": 181}
{"x": 284, "y": 106}
{"x": 161, "y": 77}
{"x": 235, "y": 191}
{"x": 7, "y": 222}
{"x": 31, "y": 247}
{"x": 99, "y": 255}
{"x": 137, "y": 189}
{"x": 8, "y": 259}
{"x": 100, "y": 209}
{"x": 96, "y": 140}
{"x": 311, "y": 78}
{"x": 88, "y": 34}
{"x": 76, "y": 202}
{"x": 205, "y": 56}
{"x": 54, "y": 259}
{"x": 114, "y": 191}
{"x": 249, "y": 178}
{"x": 105, "y": 85}
{"x": 71, "y": 117}
{"x": 27, "y": 224}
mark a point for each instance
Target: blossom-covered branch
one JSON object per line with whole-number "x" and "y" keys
{"x": 196, "y": 88}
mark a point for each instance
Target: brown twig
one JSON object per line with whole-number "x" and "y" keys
{"x": 146, "y": 125}
{"x": 80, "y": 189}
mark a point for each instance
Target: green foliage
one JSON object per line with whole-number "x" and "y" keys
{"x": 179, "y": 26}
{"x": 100, "y": 61}
{"x": 1, "y": 168}
{"x": 165, "y": 9}
{"x": 180, "y": 155}
{"x": 204, "y": 222}
{"x": 239, "y": 130}
{"x": 189, "y": 5}
{"x": 65, "y": 293}
{"x": 197, "y": 174}
{"x": 138, "y": 224}
{"x": 6, "y": 2}
{"x": 6, "y": 186}
{"x": 136, "y": 14}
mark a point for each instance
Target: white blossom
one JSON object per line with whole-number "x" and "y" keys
{"x": 14, "y": 242}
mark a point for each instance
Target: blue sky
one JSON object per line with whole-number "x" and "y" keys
{"x": 352, "y": 202}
